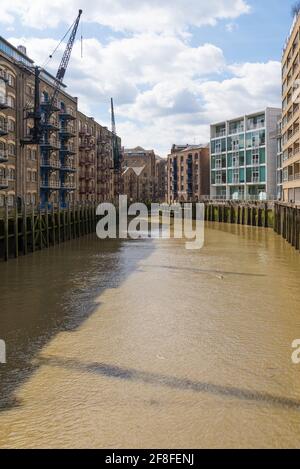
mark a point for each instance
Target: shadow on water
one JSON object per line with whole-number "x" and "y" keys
{"x": 184, "y": 384}
{"x": 55, "y": 290}
{"x": 203, "y": 271}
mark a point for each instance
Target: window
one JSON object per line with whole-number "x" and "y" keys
{"x": 255, "y": 175}
{"x": 10, "y": 200}
{"x": 28, "y": 176}
{"x": 34, "y": 176}
{"x": 12, "y": 149}
{"x": 30, "y": 90}
{"x": 33, "y": 199}
{"x": 11, "y": 102}
{"x": 11, "y": 80}
{"x": 218, "y": 147}
{"x": 218, "y": 178}
{"x": 235, "y": 160}
{"x": 1, "y": 196}
{"x": 28, "y": 199}
{"x": 11, "y": 174}
{"x": 255, "y": 158}
{"x": 11, "y": 125}
{"x": 3, "y": 75}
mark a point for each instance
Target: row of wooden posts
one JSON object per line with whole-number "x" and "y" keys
{"x": 283, "y": 218}
{"x": 241, "y": 214}
{"x": 34, "y": 229}
{"x": 29, "y": 229}
{"x": 287, "y": 223}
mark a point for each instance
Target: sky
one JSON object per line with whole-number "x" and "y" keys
{"x": 173, "y": 67}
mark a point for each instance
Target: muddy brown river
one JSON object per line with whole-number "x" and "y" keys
{"x": 143, "y": 344}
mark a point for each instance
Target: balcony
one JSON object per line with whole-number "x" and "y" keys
{"x": 46, "y": 104}
{"x": 3, "y": 76}
{"x": 51, "y": 125}
{"x": 50, "y": 164}
{"x": 67, "y": 167}
{"x": 68, "y": 150}
{"x": 102, "y": 179}
{"x": 255, "y": 179}
{"x": 3, "y": 128}
{"x": 67, "y": 113}
{"x": 3, "y": 155}
{"x": 4, "y": 102}
{"x": 49, "y": 145}
{"x": 66, "y": 132}
{"x": 86, "y": 145}
{"x": 89, "y": 160}
{"x": 68, "y": 186}
{"x": 252, "y": 126}
{"x": 236, "y": 130}
{"x": 50, "y": 185}
{"x": 3, "y": 183}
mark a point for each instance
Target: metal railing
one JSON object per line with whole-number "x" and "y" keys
{"x": 3, "y": 101}
{"x": 3, "y": 154}
{"x": 3, "y": 182}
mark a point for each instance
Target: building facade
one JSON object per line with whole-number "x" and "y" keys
{"x": 161, "y": 179}
{"x": 244, "y": 157}
{"x": 140, "y": 158}
{"x": 279, "y": 162}
{"x": 291, "y": 115}
{"x": 188, "y": 173}
{"x": 73, "y": 161}
{"x": 9, "y": 151}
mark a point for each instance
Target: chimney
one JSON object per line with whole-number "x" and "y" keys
{"x": 22, "y": 49}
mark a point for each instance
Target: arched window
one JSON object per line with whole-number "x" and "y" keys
{"x": 11, "y": 125}
{"x": 11, "y": 102}
{"x": 2, "y": 123}
{"x": 11, "y": 80}
{"x": 12, "y": 149}
{"x": 10, "y": 200}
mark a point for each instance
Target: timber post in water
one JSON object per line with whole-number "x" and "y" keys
{"x": 27, "y": 230}
{"x": 283, "y": 218}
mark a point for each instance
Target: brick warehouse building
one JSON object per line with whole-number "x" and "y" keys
{"x": 73, "y": 163}
{"x": 188, "y": 173}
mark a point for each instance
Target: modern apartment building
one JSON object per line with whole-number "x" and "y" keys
{"x": 188, "y": 173}
{"x": 291, "y": 114}
{"x": 244, "y": 157}
{"x": 74, "y": 160}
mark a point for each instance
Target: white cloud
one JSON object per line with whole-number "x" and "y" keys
{"x": 125, "y": 15}
{"x": 165, "y": 90}
{"x": 231, "y": 27}
{"x": 125, "y": 66}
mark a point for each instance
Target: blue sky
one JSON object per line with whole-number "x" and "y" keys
{"x": 173, "y": 67}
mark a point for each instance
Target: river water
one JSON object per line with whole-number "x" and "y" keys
{"x": 145, "y": 344}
